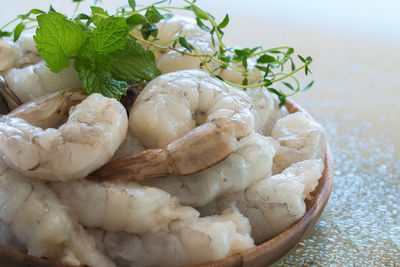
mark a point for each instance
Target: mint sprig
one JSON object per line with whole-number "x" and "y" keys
{"x": 106, "y": 58}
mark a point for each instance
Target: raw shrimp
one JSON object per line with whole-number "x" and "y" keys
{"x": 170, "y": 61}
{"x": 250, "y": 163}
{"x": 38, "y": 80}
{"x": 42, "y": 224}
{"x": 183, "y": 243}
{"x": 8, "y": 240}
{"x": 122, "y": 206}
{"x": 94, "y": 130}
{"x": 301, "y": 138}
{"x": 274, "y": 203}
{"x": 166, "y": 114}
{"x": 9, "y": 55}
{"x": 19, "y": 54}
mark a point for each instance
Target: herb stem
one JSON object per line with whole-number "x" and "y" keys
{"x": 76, "y": 8}
{"x": 10, "y": 22}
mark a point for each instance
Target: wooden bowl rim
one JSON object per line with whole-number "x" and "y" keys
{"x": 261, "y": 255}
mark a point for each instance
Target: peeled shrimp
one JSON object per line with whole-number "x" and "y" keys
{"x": 122, "y": 206}
{"x": 94, "y": 130}
{"x": 170, "y": 61}
{"x": 274, "y": 203}
{"x": 38, "y": 80}
{"x": 183, "y": 243}
{"x": 195, "y": 119}
{"x": 42, "y": 224}
{"x": 9, "y": 55}
{"x": 251, "y": 162}
{"x": 19, "y": 54}
{"x": 300, "y": 137}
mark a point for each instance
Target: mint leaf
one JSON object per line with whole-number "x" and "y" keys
{"x": 110, "y": 35}
{"x": 98, "y": 11}
{"x": 134, "y": 64}
{"x": 57, "y": 39}
{"x": 96, "y": 79}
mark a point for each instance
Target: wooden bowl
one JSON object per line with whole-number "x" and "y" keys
{"x": 261, "y": 255}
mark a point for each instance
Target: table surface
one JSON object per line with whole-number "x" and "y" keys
{"x": 355, "y": 47}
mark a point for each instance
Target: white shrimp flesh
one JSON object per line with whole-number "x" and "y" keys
{"x": 42, "y": 224}
{"x": 122, "y": 206}
{"x": 94, "y": 131}
{"x": 300, "y": 137}
{"x": 274, "y": 203}
{"x": 183, "y": 243}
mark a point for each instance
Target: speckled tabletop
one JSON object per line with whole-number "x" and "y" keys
{"x": 356, "y": 96}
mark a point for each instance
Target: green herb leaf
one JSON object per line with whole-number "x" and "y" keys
{"x": 57, "y": 39}
{"x": 153, "y": 15}
{"x": 134, "y": 64}
{"x": 132, "y": 4}
{"x": 110, "y": 35}
{"x": 264, "y": 59}
{"x": 96, "y": 11}
{"x": 97, "y": 79}
{"x": 135, "y": 19}
{"x": 288, "y": 85}
{"x": 82, "y": 16}
{"x": 202, "y": 25}
{"x": 18, "y": 30}
{"x": 149, "y": 29}
{"x": 183, "y": 42}
{"x": 224, "y": 22}
{"x": 308, "y": 86}
{"x": 5, "y": 34}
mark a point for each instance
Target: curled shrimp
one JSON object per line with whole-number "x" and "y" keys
{"x": 42, "y": 224}
{"x": 196, "y": 119}
{"x": 93, "y": 132}
{"x": 272, "y": 204}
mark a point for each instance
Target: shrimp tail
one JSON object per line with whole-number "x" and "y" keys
{"x": 199, "y": 149}
{"x": 49, "y": 110}
{"x": 151, "y": 162}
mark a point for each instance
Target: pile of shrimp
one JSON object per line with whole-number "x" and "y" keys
{"x": 199, "y": 171}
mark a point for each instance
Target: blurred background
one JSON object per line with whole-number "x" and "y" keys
{"x": 356, "y": 96}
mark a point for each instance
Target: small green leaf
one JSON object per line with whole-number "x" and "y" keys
{"x": 264, "y": 59}
{"x": 153, "y": 15}
{"x": 224, "y": 22}
{"x": 5, "y": 34}
{"x": 245, "y": 81}
{"x": 135, "y": 19}
{"x": 82, "y": 16}
{"x": 302, "y": 59}
{"x": 183, "y": 42}
{"x": 110, "y": 35}
{"x": 288, "y": 85}
{"x": 308, "y": 86}
{"x": 57, "y": 39}
{"x": 202, "y": 25}
{"x": 96, "y": 11}
{"x": 132, "y": 4}
{"x": 18, "y": 30}
{"x": 219, "y": 77}
{"x": 281, "y": 96}
{"x": 149, "y": 29}
{"x": 293, "y": 66}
